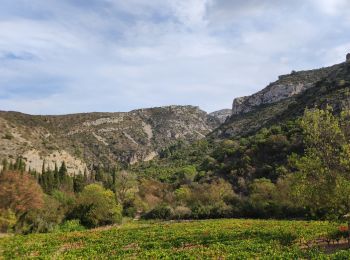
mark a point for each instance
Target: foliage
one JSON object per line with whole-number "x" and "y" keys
{"x": 70, "y": 226}
{"x": 20, "y": 193}
{"x": 8, "y": 220}
{"x": 97, "y": 206}
{"x": 208, "y": 239}
{"x": 321, "y": 181}
{"x": 161, "y": 211}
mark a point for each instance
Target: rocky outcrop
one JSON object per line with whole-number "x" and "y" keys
{"x": 285, "y": 87}
{"x": 280, "y": 101}
{"x": 222, "y": 114}
{"x": 35, "y": 161}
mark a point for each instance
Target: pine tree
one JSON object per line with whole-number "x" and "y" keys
{"x": 66, "y": 182}
{"x": 43, "y": 167}
{"x": 62, "y": 172}
{"x": 57, "y": 176}
{"x": 79, "y": 183}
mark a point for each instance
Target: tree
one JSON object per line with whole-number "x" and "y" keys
{"x": 62, "y": 173}
{"x": 97, "y": 206}
{"x": 20, "y": 193}
{"x": 262, "y": 198}
{"x": 125, "y": 186}
{"x": 79, "y": 183}
{"x": 65, "y": 181}
{"x": 321, "y": 172}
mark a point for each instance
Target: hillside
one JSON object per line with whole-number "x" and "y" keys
{"x": 99, "y": 138}
{"x": 287, "y": 98}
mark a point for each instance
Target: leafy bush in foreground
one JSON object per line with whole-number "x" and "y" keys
{"x": 97, "y": 206}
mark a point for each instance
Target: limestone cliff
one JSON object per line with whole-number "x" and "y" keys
{"x": 222, "y": 114}
{"x": 286, "y": 86}
{"x": 287, "y": 98}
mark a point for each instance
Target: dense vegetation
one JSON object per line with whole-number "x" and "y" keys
{"x": 209, "y": 239}
{"x": 297, "y": 169}
{"x": 276, "y": 172}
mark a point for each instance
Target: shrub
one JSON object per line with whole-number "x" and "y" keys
{"x": 97, "y": 207}
{"x": 182, "y": 212}
{"x": 8, "y": 220}
{"x": 70, "y": 225}
{"x": 161, "y": 211}
{"x": 8, "y": 136}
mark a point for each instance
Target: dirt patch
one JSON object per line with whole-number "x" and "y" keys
{"x": 68, "y": 246}
{"x": 133, "y": 246}
{"x": 104, "y": 228}
{"x": 189, "y": 247}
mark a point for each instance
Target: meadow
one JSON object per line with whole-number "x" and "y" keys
{"x": 205, "y": 239}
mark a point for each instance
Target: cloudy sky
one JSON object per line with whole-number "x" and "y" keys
{"x": 66, "y": 56}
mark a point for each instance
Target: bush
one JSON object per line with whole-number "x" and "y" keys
{"x": 161, "y": 211}
{"x": 97, "y": 207}
{"x": 8, "y": 220}
{"x": 182, "y": 212}
{"x": 70, "y": 225}
{"x": 8, "y": 136}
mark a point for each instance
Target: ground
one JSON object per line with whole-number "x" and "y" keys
{"x": 206, "y": 239}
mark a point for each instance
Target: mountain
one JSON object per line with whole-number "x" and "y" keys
{"x": 83, "y": 140}
{"x": 287, "y": 98}
{"x": 222, "y": 114}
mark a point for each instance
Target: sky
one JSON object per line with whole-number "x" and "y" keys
{"x": 69, "y": 56}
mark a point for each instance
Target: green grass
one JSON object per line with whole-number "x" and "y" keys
{"x": 207, "y": 239}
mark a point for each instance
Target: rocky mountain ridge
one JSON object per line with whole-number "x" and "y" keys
{"x": 84, "y": 140}
{"x": 287, "y": 98}
{"x": 286, "y": 86}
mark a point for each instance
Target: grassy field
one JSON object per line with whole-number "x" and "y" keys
{"x": 207, "y": 239}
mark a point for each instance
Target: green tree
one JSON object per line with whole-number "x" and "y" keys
{"x": 97, "y": 206}
{"x": 125, "y": 186}
{"x": 79, "y": 183}
{"x": 324, "y": 168}
{"x": 65, "y": 181}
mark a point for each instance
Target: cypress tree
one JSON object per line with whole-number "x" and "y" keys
{"x": 43, "y": 167}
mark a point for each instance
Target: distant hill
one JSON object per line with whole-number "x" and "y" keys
{"x": 99, "y": 138}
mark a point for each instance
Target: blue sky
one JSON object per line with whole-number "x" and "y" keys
{"x": 67, "y": 56}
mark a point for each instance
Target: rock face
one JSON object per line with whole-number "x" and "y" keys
{"x": 82, "y": 140}
{"x": 348, "y": 57}
{"x": 287, "y": 99}
{"x": 222, "y": 114}
{"x": 286, "y": 86}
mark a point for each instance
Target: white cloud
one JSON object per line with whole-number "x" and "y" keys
{"x": 111, "y": 55}
{"x": 333, "y": 7}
